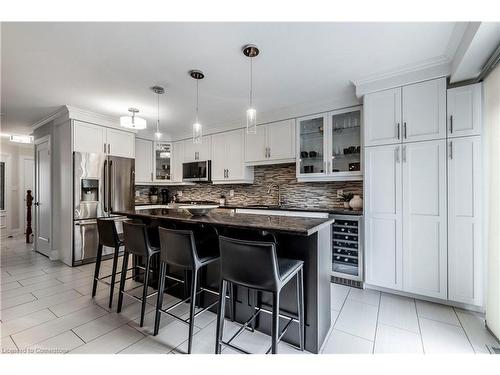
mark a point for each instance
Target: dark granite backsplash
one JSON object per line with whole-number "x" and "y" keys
{"x": 297, "y": 194}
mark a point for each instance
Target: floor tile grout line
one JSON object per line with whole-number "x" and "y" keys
{"x": 352, "y": 334}
{"x": 376, "y": 323}
{"x": 419, "y": 328}
{"x": 14, "y": 342}
{"x": 463, "y": 329}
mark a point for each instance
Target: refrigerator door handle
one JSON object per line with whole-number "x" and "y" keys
{"x": 104, "y": 183}
{"x": 110, "y": 189}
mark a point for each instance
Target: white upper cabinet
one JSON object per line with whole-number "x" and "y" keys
{"x": 329, "y": 146}
{"x": 382, "y": 117}
{"x": 272, "y": 144}
{"x": 465, "y": 259}
{"x": 228, "y": 158}
{"x": 177, "y": 160}
{"x": 120, "y": 143}
{"x": 424, "y": 111}
{"x": 410, "y": 113}
{"x": 424, "y": 218}
{"x": 89, "y": 137}
{"x": 198, "y": 151}
{"x": 143, "y": 161}
{"x": 383, "y": 216}
{"x": 464, "y": 111}
{"x": 99, "y": 139}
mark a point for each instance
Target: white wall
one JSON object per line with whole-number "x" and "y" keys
{"x": 492, "y": 117}
{"x": 14, "y": 153}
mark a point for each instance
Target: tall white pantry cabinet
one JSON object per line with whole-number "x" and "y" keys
{"x": 422, "y": 191}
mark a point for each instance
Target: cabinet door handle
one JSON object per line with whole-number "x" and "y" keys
{"x": 404, "y": 154}
{"x": 269, "y": 154}
{"x": 104, "y": 147}
{"x": 399, "y": 131}
{"x": 224, "y": 173}
{"x": 396, "y": 154}
{"x": 451, "y": 124}
{"x": 227, "y": 173}
{"x": 404, "y": 124}
{"x": 451, "y": 150}
{"x": 151, "y": 176}
{"x": 109, "y": 148}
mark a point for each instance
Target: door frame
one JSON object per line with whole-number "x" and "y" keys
{"x": 37, "y": 142}
{"x": 22, "y": 214}
{"x": 7, "y": 159}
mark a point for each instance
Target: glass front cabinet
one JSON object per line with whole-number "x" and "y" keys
{"x": 329, "y": 146}
{"x": 162, "y": 162}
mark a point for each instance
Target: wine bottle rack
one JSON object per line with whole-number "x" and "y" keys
{"x": 347, "y": 252}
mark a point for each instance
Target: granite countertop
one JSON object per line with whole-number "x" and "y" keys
{"x": 223, "y": 217}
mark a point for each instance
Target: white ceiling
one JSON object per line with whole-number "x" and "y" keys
{"x": 108, "y": 67}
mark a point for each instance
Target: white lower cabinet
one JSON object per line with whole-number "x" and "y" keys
{"x": 228, "y": 152}
{"x": 424, "y": 218}
{"x": 383, "y": 216}
{"x": 465, "y": 259}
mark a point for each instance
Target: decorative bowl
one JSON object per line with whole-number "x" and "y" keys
{"x": 199, "y": 209}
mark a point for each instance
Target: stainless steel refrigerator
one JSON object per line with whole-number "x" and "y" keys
{"x": 101, "y": 184}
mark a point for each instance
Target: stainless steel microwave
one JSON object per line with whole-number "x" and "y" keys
{"x": 197, "y": 171}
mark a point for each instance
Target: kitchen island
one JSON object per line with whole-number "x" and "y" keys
{"x": 306, "y": 239}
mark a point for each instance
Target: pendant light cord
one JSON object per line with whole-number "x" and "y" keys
{"x": 251, "y": 81}
{"x": 158, "y": 113}
{"x": 197, "y": 99}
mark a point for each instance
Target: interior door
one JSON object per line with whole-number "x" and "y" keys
{"x": 43, "y": 202}
{"x": 464, "y": 220}
{"x": 424, "y": 218}
{"x": 424, "y": 111}
{"x": 383, "y": 117}
{"x": 383, "y": 216}
{"x": 281, "y": 140}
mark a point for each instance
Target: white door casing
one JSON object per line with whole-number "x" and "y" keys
{"x": 28, "y": 180}
{"x": 424, "y": 218}
{"x": 383, "y": 216}
{"x": 43, "y": 201}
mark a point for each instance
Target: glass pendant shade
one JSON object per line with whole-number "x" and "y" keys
{"x": 251, "y": 121}
{"x": 197, "y": 132}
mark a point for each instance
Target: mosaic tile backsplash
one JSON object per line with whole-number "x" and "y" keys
{"x": 293, "y": 193}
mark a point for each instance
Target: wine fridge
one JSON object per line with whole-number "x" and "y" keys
{"x": 347, "y": 248}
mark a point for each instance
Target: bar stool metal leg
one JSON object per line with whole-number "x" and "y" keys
{"x": 97, "y": 268}
{"x": 220, "y": 317}
{"x": 300, "y": 307}
{"x": 161, "y": 290}
{"x": 145, "y": 289}
{"x": 276, "y": 323}
{"x": 194, "y": 277}
{"x": 122, "y": 282}
{"x": 113, "y": 275}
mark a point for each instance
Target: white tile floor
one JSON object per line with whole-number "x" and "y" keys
{"x": 46, "y": 307}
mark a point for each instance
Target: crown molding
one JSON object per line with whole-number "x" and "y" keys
{"x": 84, "y": 115}
{"x": 422, "y": 71}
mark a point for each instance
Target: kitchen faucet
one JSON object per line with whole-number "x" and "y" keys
{"x": 273, "y": 185}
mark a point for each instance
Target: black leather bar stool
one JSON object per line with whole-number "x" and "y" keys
{"x": 137, "y": 243}
{"x": 178, "y": 248}
{"x": 255, "y": 265}
{"x": 108, "y": 236}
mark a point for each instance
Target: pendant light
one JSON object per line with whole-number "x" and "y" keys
{"x": 197, "y": 128}
{"x": 251, "y": 51}
{"x": 158, "y": 90}
{"x": 133, "y": 122}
